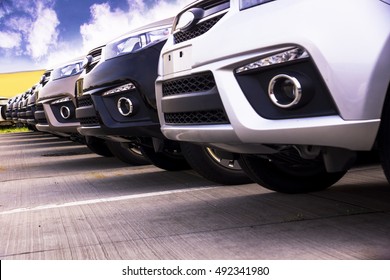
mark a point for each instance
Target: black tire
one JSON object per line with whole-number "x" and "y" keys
{"x": 384, "y": 138}
{"x": 213, "y": 166}
{"x": 98, "y": 146}
{"x": 131, "y": 155}
{"x": 169, "y": 159}
{"x": 32, "y": 127}
{"x": 2, "y": 112}
{"x": 289, "y": 173}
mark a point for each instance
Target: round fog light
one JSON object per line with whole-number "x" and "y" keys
{"x": 65, "y": 112}
{"x": 285, "y": 91}
{"x": 125, "y": 106}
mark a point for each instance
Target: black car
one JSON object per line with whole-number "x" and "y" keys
{"x": 116, "y": 101}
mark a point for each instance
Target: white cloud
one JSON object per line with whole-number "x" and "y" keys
{"x": 65, "y": 51}
{"x": 29, "y": 29}
{"x": 15, "y": 64}
{"x": 38, "y": 26}
{"x": 28, "y": 7}
{"x": 104, "y": 25}
{"x": 9, "y": 40}
{"x": 19, "y": 24}
{"x": 43, "y": 33}
{"x": 160, "y": 10}
{"x": 107, "y": 24}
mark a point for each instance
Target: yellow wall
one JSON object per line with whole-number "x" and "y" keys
{"x": 12, "y": 84}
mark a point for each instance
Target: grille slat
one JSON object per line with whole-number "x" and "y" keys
{"x": 90, "y": 121}
{"x": 42, "y": 120}
{"x": 96, "y": 56}
{"x": 196, "y": 83}
{"x": 41, "y": 117}
{"x": 84, "y": 101}
{"x": 199, "y": 117}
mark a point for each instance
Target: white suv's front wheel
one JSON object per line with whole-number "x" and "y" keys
{"x": 287, "y": 172}
{"x": 213, "y": 165}
{"x": 384, "y": 138}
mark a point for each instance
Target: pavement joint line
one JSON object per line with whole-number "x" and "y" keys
{"x": 100, "y": 200}
{"x": 114, "y": 171}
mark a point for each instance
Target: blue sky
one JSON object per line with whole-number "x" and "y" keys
{"x": 36, "y": 34}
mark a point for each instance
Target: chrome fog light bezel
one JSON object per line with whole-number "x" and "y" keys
{"x": 275, "y": 96}
{"x": 65, "y": 112}
{"x": 122, "y": 102}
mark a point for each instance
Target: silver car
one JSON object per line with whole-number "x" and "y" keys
{"x": 55, "y": 109}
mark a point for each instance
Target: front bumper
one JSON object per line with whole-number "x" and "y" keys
{"x": 99, "y": 116}
{"x": 129, "y": 78}
{"x": 346, "y": 105}
{"x": 55, "y": 110}
{"x": 60, "y": 115}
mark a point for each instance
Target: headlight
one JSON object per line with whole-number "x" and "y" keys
{"x": 68, "y": 70}
{"x": 245, "y": 4}
{"x": 134, "y": 42}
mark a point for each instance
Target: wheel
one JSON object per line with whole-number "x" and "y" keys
{"x": 287, "y": 172}
{"x": 98, "y": 146}
{"x": 214, "y": 165}
{"x": 384, "y": 138}
{"x": 170, "y": 158}
{"x": 2, "y": 112}
{"x": 131, "y": 154}
{"x": 32, "y": 127}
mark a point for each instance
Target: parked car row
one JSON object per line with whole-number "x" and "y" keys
{"x": 269, "y": 90}
{"x": 124, "y": 121}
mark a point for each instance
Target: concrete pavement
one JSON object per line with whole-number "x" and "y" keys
{"x": 60, "y": 201}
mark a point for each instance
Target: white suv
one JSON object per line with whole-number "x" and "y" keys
{"x": 296, "y": 87}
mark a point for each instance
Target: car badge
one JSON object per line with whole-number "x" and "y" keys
{"x": 189, "y": 19}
